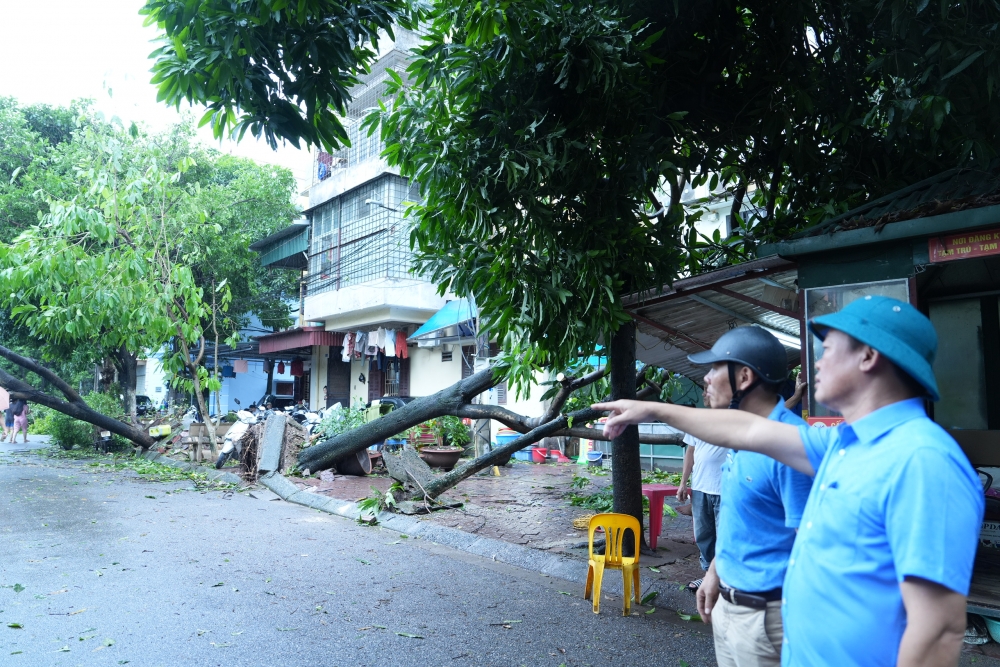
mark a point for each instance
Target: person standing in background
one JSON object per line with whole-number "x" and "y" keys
{"x": 703, "y": 464}
{"x": 20, "y": 410}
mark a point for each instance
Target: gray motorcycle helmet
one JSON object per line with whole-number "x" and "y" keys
{"x": 749, "y": 346}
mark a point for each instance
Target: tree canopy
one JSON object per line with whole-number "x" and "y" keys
{"x": 255, "y": 62}
{"x": 543, "y": 132}
{"x": 123, "y": 241}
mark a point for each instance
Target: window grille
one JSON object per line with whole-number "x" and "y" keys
{"x": 355, "y": 242}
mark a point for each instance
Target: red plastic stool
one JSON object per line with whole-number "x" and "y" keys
{"x": 656, "y": 493}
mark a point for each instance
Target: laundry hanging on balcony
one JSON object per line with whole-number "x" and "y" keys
{"x": 390, "y": 343}
{"x": 298, "y": 368}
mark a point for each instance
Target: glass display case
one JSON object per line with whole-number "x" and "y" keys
{"x": 826, "y": 300}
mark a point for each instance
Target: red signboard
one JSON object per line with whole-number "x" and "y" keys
{"x": 964, "y": 246}
{"x": 824, "y": 421}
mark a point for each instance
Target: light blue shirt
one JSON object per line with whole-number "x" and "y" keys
{"x": 762, "y": 504}
{"x": 876, "y": 515}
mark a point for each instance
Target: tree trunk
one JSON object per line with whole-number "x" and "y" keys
{"x": 455, "y": 401}
{"x": 193, "y": 366}
{"x": 127, "y": 365}
{"x": 626, "y": 473}
{"x": 445, "y": 402}
{"x": 74, "y": 406}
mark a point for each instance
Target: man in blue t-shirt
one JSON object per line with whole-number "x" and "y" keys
{"x": 882, "y": 563}
{"x": 761, "y": 505}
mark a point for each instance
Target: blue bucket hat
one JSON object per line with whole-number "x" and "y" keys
{"x": 895, "y": 328}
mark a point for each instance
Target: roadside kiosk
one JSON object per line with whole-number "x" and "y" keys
{"x": 935, "y": 244}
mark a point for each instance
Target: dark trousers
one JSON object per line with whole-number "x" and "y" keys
{"x": 705, "y": 512}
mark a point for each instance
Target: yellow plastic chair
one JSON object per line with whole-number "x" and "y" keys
{"x": 614, "y": 526}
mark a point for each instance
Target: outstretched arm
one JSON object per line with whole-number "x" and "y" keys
{"x": 735, "y": 429}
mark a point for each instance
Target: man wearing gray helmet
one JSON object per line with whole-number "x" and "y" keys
{"x": 879, "y": 573}
{"x": 761, "y": 505}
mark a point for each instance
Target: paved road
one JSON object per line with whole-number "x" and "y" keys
{"x": 116, "y": 571}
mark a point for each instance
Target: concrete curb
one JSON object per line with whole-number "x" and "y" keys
{"x": 211, "y": 473}
{"x": 504, "y": 552}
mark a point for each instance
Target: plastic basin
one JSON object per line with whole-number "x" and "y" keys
{"x": 993, "y": 625}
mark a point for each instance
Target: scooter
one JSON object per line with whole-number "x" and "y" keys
{"x": 233, "y": 436}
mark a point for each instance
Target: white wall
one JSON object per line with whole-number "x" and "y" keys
{"x": 428, "y": 374}
{"x": 151, "y": 377}
{"x": 370, "y": 304}
{"x": 249, "y": 387}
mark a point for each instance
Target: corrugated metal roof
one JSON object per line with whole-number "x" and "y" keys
{"x": 953, "y": 190}
{"x": 694, "y": 312}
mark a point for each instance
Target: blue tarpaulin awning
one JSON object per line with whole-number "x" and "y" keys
{"x": 457, "y": 320}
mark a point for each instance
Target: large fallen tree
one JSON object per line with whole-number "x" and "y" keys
{"x": 457, "y": 400}
{"x": 73, "y": 405}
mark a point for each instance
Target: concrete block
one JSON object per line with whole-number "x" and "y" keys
{"x": 269, "y": 459}
{"x": 278, "y": 484}
{"x": 312, "y": 500}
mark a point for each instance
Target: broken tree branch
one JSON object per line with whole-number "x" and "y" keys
{"x": 501, "y": 455}
{"x": 41, "y": 371}
{"x": 522, "y": 424}
{"x": 75, "y": 407}
{"x": 569, "y": 385}
{"x": 454, "y": 400}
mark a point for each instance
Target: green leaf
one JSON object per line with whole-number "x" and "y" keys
{"x": 16, "y": 626}
{"x": 18, "y": 588}
{"x": 649, "y": 597}
{"x": 410, "y": 635}
{"x": 962, "y": 65}
{"x": 688, "y": 617}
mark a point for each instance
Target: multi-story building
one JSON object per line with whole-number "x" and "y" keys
{"x": 355, "y": 259}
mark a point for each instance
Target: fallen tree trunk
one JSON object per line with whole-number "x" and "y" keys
{"x": 74, "y": 405}
{"x": 456, "y": 400}
{"x": 448, "y": 401}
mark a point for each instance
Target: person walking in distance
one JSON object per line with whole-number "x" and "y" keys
{"x": 20, "y": 412}
{"x": 761, "y": 505}
{"x": 881, "y": 566}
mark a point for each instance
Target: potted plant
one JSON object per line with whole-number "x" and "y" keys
{"x": 451, "y": 436}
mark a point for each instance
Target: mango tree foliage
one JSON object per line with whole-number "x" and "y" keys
{"x": 257, "y": 64}
{"x": 107, "y": 267}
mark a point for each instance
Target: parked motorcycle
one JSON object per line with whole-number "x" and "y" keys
{"x": 235, "y": 433}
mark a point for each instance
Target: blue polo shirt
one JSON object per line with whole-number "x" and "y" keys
{"x": 876, "y": 515}
{"x": 761, "y": 505}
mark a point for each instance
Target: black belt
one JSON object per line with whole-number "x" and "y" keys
{"x": 757, "y": 600}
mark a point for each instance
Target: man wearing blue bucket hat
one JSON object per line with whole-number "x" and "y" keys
{"x": 881, "y": 565}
